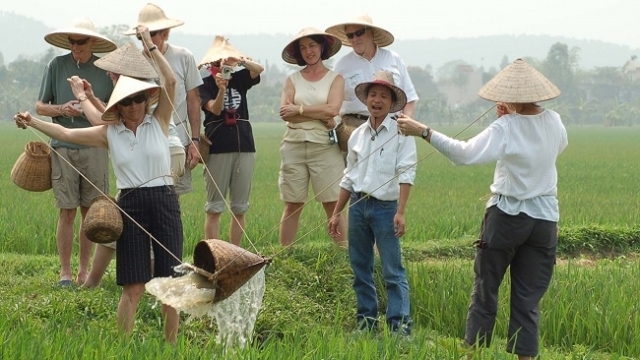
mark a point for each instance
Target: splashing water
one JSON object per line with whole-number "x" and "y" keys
{"x": 236, "y": 315}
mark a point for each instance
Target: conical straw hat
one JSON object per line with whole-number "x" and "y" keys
{"x": 228, "y": 266}
{"x": 384, "y": 78}
{"x": 219, "y": 49}
{"x": 83, "y": 27}
{"x": 381, "y": 36}
{"x": 154, "y": 19}
{"x": 125, "y": 87}
{"x": 519, "y": 83}
{"x": 288, "y": 53}
{"x": 128, "y": 60}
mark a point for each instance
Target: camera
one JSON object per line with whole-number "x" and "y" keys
{"x": 226, "y": 72}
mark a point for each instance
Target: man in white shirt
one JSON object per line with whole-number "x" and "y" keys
{"x": 367, "y": 58}
{"x": 378, "y": 178}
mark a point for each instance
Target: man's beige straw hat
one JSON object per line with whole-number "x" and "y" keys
{"x": 519, "y": 83}
{"x": 81, "y": 27}
{"x": 219, "y": 49}
{"x": 381, "y": 36}
{"x": 384, "y": 78}
{"x": 288, "y": 53}
{"x": 128, "y": 60}
{"x": 125, "y": 87}
{"x": 154, "y": 19}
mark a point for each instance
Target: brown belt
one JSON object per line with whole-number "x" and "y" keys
{"x": 358, "y": 116}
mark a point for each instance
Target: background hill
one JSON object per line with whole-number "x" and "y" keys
{"x": 20, "y": 35}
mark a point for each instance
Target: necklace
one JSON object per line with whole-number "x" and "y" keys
{"x": 373, "y": 133}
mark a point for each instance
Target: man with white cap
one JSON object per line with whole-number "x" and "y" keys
{"x": 56, "y": 100}
{"x": 368, "y": 57}
{"x": 187, "y": 100}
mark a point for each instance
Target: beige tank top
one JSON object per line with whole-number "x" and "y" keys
{"x": 310, "y": 93}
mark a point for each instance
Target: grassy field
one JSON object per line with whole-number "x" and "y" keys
{"x": 590, "y": 312}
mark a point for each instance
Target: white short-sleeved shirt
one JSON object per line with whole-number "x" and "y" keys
{"x": 355, "y": 69}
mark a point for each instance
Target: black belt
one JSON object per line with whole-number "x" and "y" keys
{"x": 358, "y": 116}
{"x": 361, "y": 195}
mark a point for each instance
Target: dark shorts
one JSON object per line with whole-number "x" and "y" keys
{"x": 157, "y": 211}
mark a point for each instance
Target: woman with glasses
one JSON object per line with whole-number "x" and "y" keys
{"x": 310, "y": 100}
{"x": 139, "y": 151}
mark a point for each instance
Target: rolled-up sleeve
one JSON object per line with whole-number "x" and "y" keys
{"x": 407, "y": 158}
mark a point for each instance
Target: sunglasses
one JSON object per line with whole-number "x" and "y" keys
{"x": 358, "y": 33}
{"x": 138, "y": 99}
{"x": 78, "y": 42}
{"x": 152, "y": 34}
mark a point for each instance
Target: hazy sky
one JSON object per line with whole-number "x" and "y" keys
{"x": 616, "y": 21}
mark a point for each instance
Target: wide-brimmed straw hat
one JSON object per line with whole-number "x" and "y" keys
{"x": 381, "y": 36}
{"x": 154, "y": 19}
{"x": 288, "y": 53}
{"x": 125, "y": 87}
{"x": 219, "y": 49}
{"x": 384, "y": 78}
{"x": 128, "y": 60}
{"x": 519, "y": 83}
{"x": 82, "y": 27}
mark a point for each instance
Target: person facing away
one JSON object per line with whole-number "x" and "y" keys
{"x": 138, "y": 146}
{"x": 380, "y": 171}
{"x": 232, "y": 153}
{"x": 519, "y": 231}
{"x": 310, "y": 100}
{"x": 186, "y": 118}
{"x": 69, "y": 160}
{"x": 369, "y": 56}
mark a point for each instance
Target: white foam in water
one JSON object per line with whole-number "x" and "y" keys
{"x": 235, "y": 315}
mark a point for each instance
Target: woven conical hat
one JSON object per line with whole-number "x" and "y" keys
{"x": 153, "y": 17}
{"x": 331, "y": 40}
{"x": 82, "y": 27}
{"x": 519, "y": 83}
{"x": 381, "y": 36}
{"x": 128, "y": 60}
{"x": 219, "y": 49}
{"x": 125, "y": 87}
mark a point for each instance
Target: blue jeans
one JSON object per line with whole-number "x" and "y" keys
{"x": 371, "y": 222}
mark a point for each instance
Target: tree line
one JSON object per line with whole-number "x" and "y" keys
{"x": 603, "y": 95}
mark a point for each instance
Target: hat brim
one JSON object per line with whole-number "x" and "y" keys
{"x": 381, "y": 37}
{"x": 128, "y": 60}
{"x": 288, "y": 52}
{"x": 60, "y": 38}
{"x": 519, "y": 83}
{"x": 155, "y": 25}
{"x": 219, "y": 50}
{"x": 125, "y": 87}
{"x": 361, "y": 91}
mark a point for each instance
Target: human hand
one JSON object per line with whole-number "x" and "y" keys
{"x": 230, "y": 61}
{"x": 23, "y": 120}
{"x": 409, "y": 127}
{"x": 329, "y": 123}
{"x": 333, "y": 225}
{"x": 289, "y": 109}
{"x": 142, "y": 33}
{"x": 70, "y": 109}
{"x": 503, "y": 109}
{"x": 221, "y": 82}
{"x": 192, "y": 155}
{"x": 77, "y": 86}
{"x": 399, "y": 225}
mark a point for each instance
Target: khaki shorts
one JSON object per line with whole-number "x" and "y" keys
{"x": 232, "y": 172}
{"x": 304, "y": 162}
{"x": 70, "y": 189}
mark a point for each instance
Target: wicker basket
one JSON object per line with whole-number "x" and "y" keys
{"x": 103, "y": 222}
{"x": 32, "y": 170}
{"x": 203, "y": 148}
{"x": 344, "y": 132}
{"x": 228, "y": 266}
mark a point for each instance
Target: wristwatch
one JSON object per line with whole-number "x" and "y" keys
{"x": 425, "y": 133}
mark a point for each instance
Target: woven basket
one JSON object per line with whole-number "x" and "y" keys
{"x": 103, "y": 222}
{"x": 229, "y": 266}
{"x": 344, "y": 132}
{"x": 203, "y": 148}
{"x": 32, "y": 170}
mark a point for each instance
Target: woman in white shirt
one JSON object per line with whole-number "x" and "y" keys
{"x": 139, "y": 151}
{"x": 519, "y": 230}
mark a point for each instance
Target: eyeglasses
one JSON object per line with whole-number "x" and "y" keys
{"x": 358, "y": 33}
{"x": 152, "y": 34}
{"x": 78, "y": 42}
{"x": 138, "y": 99}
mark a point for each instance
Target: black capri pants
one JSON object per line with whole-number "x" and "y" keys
{"x": 157, "y": 210}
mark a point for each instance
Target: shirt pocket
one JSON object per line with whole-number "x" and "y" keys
{"x": 351, "y": 80}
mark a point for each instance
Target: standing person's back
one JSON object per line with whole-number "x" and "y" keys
{"x": 55, "y": 99}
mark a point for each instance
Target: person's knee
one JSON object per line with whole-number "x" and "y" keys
{"x": 67, "y": 215}
{"x": 239, "y": 209}
{"x": 133, "y": 292}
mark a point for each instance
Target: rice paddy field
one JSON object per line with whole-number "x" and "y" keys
{"x": 590, "y": 311}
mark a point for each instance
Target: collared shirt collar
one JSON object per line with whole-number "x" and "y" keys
{"x": 120, "y": 125}
{"x": 385, "y": 123}
{"x": 374, "y": 54}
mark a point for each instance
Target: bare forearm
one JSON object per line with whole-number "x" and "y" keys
{"x": 409, "y": 109}
{"x": 343, "y": 199}
{"x": 296, "y": 119}
{"x": 405, "y": 189}
{"x": 194, "y": 118}
{"x": 325, "y": 111}
{"x": 254, "y": 68}
{"x": 50, "y": 110}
